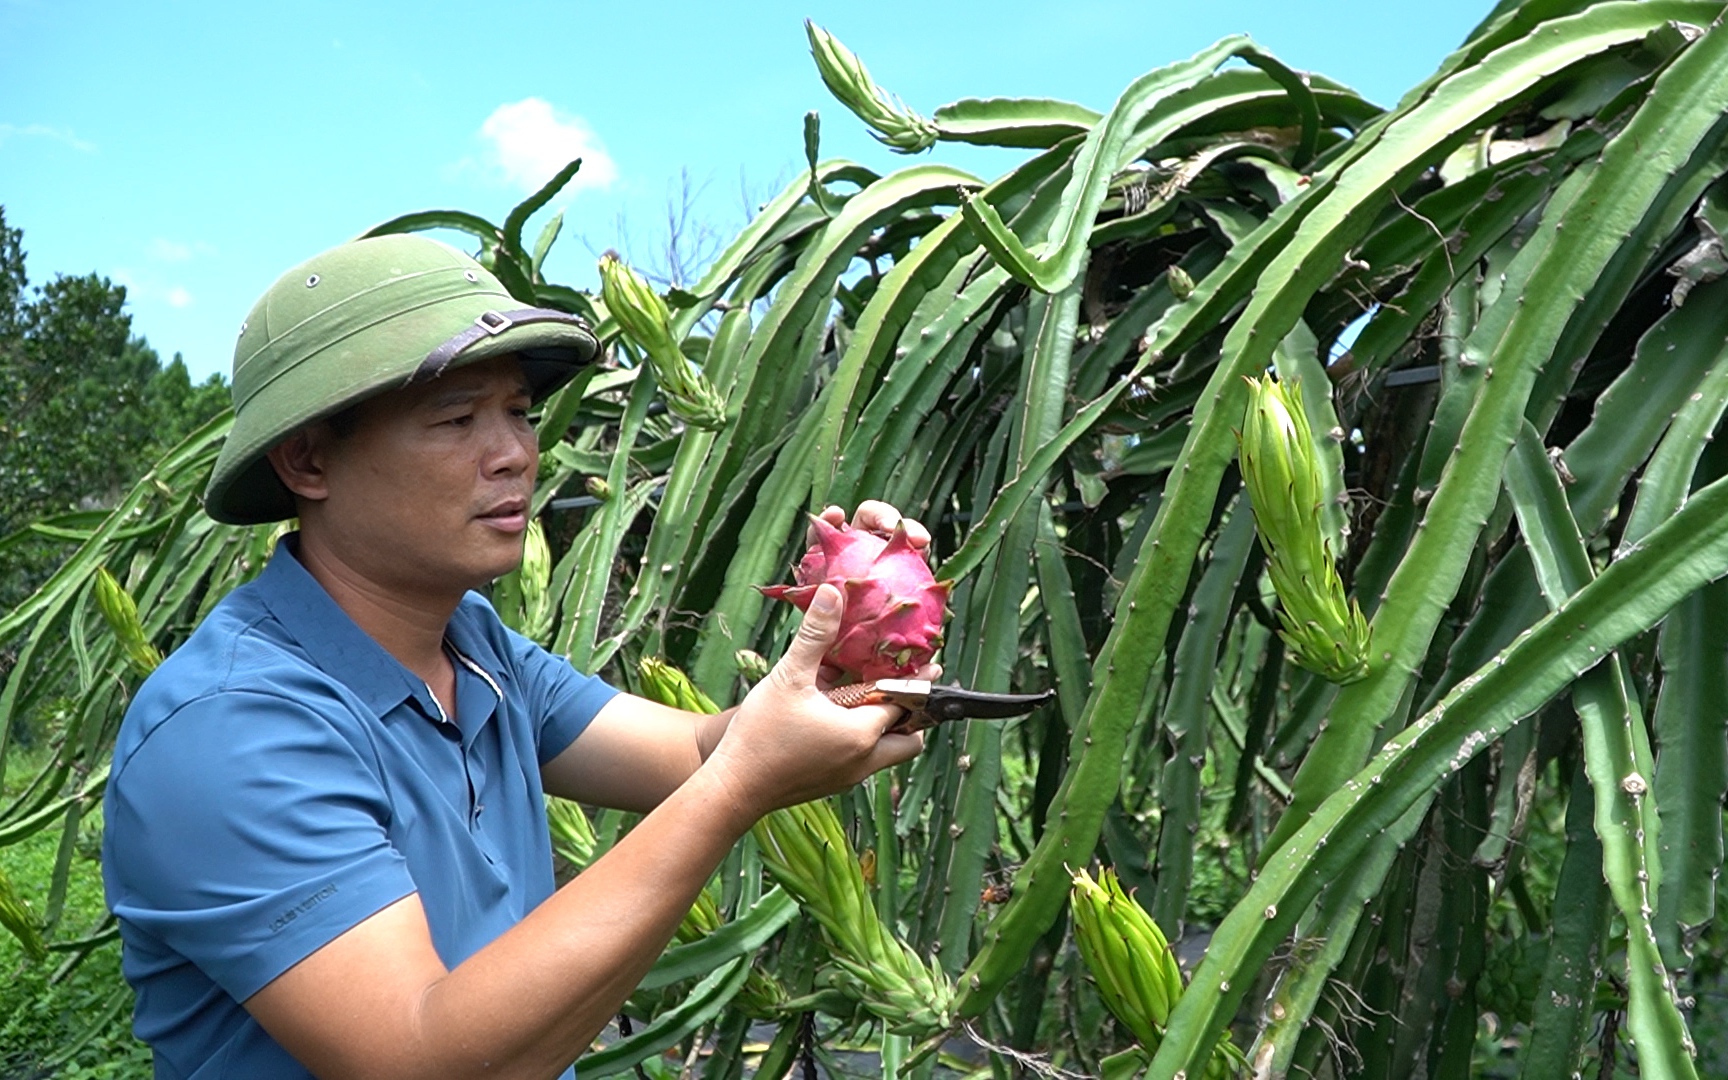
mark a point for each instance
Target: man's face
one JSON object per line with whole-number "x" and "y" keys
{"x": 430, "y": 490}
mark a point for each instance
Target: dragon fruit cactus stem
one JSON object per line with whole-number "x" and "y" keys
{"x": 892, "y": 625}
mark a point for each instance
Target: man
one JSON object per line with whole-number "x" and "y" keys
{"x": 325, "y": 839}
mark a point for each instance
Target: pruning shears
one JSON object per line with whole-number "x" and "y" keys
{"x": 927, "y": 704}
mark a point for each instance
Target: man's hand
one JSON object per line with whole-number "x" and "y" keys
{"x": 877, "y": 517}
{"x": 788, "y": 743}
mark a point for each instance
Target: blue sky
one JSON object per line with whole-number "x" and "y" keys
{"x": 195, "y": 150}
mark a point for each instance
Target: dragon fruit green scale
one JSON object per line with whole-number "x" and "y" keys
{"x": 892, "y": 625}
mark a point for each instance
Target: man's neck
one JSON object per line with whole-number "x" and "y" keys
{"x": 410, "y": 624}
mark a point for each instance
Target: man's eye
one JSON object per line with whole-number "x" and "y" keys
{"x": 461, "y": 421}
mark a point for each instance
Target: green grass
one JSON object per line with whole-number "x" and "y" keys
{"x": 76, "y": 1026}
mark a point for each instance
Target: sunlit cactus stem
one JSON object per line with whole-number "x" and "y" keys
{"x": 644, "y": 317}
{"x": 849, "y": 80}
{"x": 1322, "y": 625}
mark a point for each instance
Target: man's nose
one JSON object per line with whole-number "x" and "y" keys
{"x": 514, "y": 448}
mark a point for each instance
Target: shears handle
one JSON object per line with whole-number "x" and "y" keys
{"x": 853, "y": 695}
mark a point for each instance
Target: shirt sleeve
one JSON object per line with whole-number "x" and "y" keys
{"x": 561, "y": 699}
{"x": 246, "y": 833}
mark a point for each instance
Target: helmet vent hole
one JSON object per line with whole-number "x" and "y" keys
{"x": 471, "y": 276}
{"x": 312, "y": 281}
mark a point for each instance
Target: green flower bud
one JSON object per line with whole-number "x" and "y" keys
{"x": 1134, "y": 966}
{"x": 702, "y": 919}
{"x": 536, "y": 574}
{"x": 16, "y": 916}
{"x": 1323, "y": 626}
{"x": 752, "y": 665}
{"x": 666, "y": 684}
{"x": 644, "y": 318}
{"x": 573, "y": 837}
{"x": 1127, "y": 954}
{"x": 598, "y": 487}
{"x": 523, "y": 597}
{"x": 1181, "y": 285}
{"x": 806, "y": 850}
{"x": 121, "y": 614}
{"x": 847, "y": 78}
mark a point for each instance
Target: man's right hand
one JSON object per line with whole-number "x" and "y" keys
{"x": 789, "y": 744}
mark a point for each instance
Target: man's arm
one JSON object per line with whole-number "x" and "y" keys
{"x": 377, "y": 1002}
{"x": 634, "y": 754}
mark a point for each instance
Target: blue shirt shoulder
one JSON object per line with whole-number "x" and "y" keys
{"x": 281, "y": 777}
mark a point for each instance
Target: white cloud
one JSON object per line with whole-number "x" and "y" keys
{"x": 528, "y": 141}
{"x": 43, "y": 131}
{"x": 146, "y": 287}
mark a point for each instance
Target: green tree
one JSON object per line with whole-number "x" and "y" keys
{"x": 88, "y": 404}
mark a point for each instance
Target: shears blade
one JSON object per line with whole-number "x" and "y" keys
{"x": 927, "y": 704}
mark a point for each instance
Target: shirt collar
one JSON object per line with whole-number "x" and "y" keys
{"x": 332, "y": 639}
{"x": 467, "y": 634}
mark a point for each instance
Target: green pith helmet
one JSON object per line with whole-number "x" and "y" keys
{"x": 369, "y": 316}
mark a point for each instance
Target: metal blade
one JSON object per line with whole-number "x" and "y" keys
{"x": 958, "y": 703}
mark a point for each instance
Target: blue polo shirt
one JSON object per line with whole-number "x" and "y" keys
{"x": 281, "y": 777}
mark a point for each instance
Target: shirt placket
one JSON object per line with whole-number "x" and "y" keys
{"x": 473, "y": 762}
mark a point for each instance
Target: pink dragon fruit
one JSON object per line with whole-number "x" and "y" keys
{"x": 894, "y": 604}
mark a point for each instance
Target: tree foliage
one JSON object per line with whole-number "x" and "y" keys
{"x": 88, "y": 404}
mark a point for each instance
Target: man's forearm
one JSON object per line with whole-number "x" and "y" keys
{"x": 663, "y": 746}
{"x": 377, "y": 1003}
{"x": 538, "y": 996}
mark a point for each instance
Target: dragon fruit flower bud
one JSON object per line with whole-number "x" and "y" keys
{"x": 751, "y": 664}
{"x": 892, "y": 122}
{"x": 1322, "y": 625}
{"x": 644, "y": 317}
{"x": 121, "y": 613}
{"x": 1181, "y": 285}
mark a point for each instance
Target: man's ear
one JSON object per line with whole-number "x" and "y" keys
{"x": 299, "y": 462}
